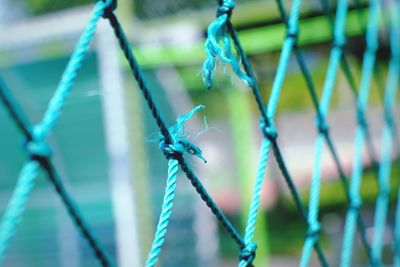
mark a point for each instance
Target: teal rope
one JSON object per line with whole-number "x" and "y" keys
{"x": 267, "y": 125}
{"x": 166, "y": 211}
{"x": 143, "y": 87}
{"x": 25, "y": 127}
{"x": 382, "y": 201}
{"x": 334, "y": 60}
{"x": 345, "y": 66}
{"x": 179, "y": 146}
{"x": 290, "y": 41}
{"x": 324, "y": 127}
{"x": 255, "y": 200}
{"x": 16, "y": 206}
{"x": 37, "y": 147}
{"x": 56, "y": 103}
{"x": 265, "y": 145}
{"x": 217, "y": 31}
{"x": 366, "y": 76}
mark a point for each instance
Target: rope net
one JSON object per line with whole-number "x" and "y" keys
{"x": 223, "y": 45}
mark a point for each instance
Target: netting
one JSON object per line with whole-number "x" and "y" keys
{"x": 175, "y": 145}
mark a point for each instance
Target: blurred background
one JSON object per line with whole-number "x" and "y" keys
{"x": 103, "y": 145}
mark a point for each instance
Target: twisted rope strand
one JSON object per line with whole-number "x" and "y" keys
{"x": 366, "y": 76}
{"x": 137, "y": 74}
{"x": 271, "y": 109}
{"x": 255, "y": 200}
{"x": 269, "y": 125}
{"x": 333, "y": 65}
{"x": 165, "y": 215}
{"x": 38, "y": 149}
{"x": 388, "y": 135}
{"x": 345, "y": 66}
{"x": 20, "y": 119}
{"x": 15, "y": 208}
{"x": 56, "y": 103}
{"x": 312, "y": 91}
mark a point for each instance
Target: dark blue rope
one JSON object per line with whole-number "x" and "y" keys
{"x": 323, "y": 127}
{"x": 25, "y": 127}
{"x": 268, "y": 128}
{"x": 137, "y": 74}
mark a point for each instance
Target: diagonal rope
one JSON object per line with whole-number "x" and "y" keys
{"x": 24, "y": 125}
{"x": 137, "y": 74}
{"x": 16, "y": 206}
{"x": 366, "y": 76}
{"x": 333, "y": 65}
{"x": 36, "y": 145}
{"x": 268, "y": 127}
{"x": 388, "y": 135}
{"x": 361, "y": 117}
{"x": 265, "y": 145}
{"x": 325, "y": 130}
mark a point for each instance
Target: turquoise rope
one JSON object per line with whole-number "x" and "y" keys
{"x": 166, "y": 212}
{"x": 173, "y": 151}
{"x": 56, "y": 103}
{"x": 382, "y": 202}
{"x": 255, "y": 200}
{"x": 362, "y": 101}
{"x": 16, "y": 206}
{"x": 287, "y": 48}
{"x": 217, "y": 32}
{"x": 290, "y": 41}
{"x": 38, "y": 148}
{"x": 333, "y": 66}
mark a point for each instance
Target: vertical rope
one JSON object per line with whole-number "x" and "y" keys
{"x": 255, "y": 200}
{"x": 166, "y": 212}
{"x": 366, "y": 76}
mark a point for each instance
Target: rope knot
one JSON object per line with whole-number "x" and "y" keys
{"x": 226, "y": 7}
{"x": 339, "y": 43}
{"x": 111, "y": 5}
{"x": 313, "y": 230}
{"x": 38, "y": 149}
{"x": 355, "y": 203}
{"x": 179, "y": 143}
{"x": 248, "y": 253}
{"x": 322, "y": 125}
{"x": 361, "y": 118}
{"x": 269, "y": 131}
{"x": 292, "y": 33}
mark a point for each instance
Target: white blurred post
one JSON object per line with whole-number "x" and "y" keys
{"x": 120, "y": 168}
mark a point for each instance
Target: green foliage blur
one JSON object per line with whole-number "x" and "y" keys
{"x": 37, "y": 7}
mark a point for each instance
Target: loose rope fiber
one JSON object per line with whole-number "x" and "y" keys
{"x": 223, "y": 44}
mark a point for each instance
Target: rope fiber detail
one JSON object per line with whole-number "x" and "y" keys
{"x": 175, "y": 145}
